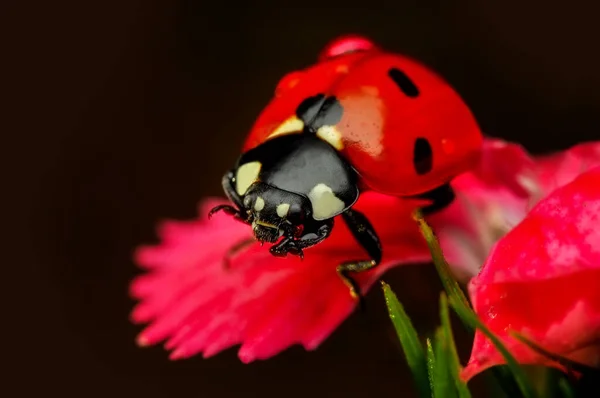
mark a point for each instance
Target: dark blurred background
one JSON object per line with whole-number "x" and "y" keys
{"x": 121, "y": 113}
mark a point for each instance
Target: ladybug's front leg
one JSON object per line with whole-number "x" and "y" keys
{"x": 229, "y": 189}
{"x": 365, "y": 234}
{"x": 312, "y": 234}
{"x": 238, "y": 209}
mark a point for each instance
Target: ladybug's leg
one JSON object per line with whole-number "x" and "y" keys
{"x": 441, "y": 197}
{"x": 238, "y": 209}
{"x": 366, "y": 236}
{"x": 312, "y": 234}
{"x": 228, "y": 187}
{"x": 237, "y": 212}
{"x": 235, "y": 249}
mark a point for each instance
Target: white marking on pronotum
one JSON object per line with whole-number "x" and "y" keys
{"x": 282, "y": 209}
{"x": 324, "y": 202}
{"x": 291, "y": 125}
{"x": 259, "y": 204}
{"x": 331, "y": 135}
{"x": 246, "y": 175}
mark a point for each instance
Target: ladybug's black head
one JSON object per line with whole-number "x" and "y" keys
{"x": 275, "y": 212}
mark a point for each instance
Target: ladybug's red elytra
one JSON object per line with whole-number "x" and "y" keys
{"x": 359, "y": 119}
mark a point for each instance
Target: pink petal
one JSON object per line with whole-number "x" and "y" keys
{"x": 490, "y": 200}
{"x": 542, "y": 279}
{"x": 262, "y": 303}
{"x": 497, "y": 195}
{"x": 504, "y": 165}
{"x": 560, "y": 168}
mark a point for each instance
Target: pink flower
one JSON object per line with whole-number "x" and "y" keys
{"x": 558, "y": 169}
{"x": 490, "y": 200}
{"x": 543, "y": 278}
{"x": 497, "y": 195}
{"x": 267, "y": 304}
{"x": 262, "y": 302}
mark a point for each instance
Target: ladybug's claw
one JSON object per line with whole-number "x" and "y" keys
{"x": 231, "y": 210}
{"x": 288, "y": 245}
{"x": 226, "y": 208}
{"x": 364, "y": 233}
{"x": 296, "y": 251}
{"x": 313, "y": 234}
{"x": 344, "y": 271}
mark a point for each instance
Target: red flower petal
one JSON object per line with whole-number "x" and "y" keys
{"x": 262, "y": 302}
{"x": 498, "y": 194}
{"x": 490, "y": 200}
{"x": 543, "y": 280}
{"x": 560, "y": 168}
{"x": 504, "y": 165}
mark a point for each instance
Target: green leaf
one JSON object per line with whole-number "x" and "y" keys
{"x": 461, "y": 305}
{"x": 503, "y": 382}
{"x": 471, "y": 318}
{"x": 431, "y": 365}
{"x": 450, "y": 285}
{"x": 565, "y": 388}
{"x": 453, "y": 360}
{"x": 443, "y": 386}
{"x": 546, "y": 380}
{"x": 413, "y": 350}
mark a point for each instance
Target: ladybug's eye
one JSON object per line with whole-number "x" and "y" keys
{"x": 287, "y": 82}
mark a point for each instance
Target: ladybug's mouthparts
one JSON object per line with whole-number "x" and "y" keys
{"x": 266, "y": 232}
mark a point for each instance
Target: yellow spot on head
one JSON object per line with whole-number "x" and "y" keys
{"x": 259, "y": 204}
{"x": 283, "y": 209}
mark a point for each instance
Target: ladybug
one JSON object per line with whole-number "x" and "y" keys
{"x": 359, "y": 119}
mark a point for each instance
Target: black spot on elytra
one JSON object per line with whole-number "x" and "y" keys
{"x": 407, "y": 86}
{"x": 318, "y": 111}
{"x": 422, "y": 156}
